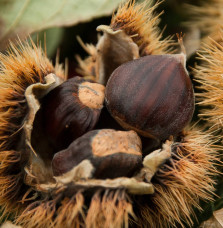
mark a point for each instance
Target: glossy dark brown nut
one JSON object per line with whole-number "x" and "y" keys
{"x": 152, "y": 95}
{"x": 70, "y": 110}
{"x": 111, "y": 153}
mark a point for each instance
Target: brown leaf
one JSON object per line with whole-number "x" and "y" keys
{"x": 216, "y": 221}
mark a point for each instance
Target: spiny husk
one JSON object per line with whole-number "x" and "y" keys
{"x": 108, "y": 209}
{"x": 11, "y": 182}
{"x": 179, "y": 184}
{"x": 209, "y": 75}
{"x": 207, "y": 16}
{"x": 20, "y": 67}
{"x": 140, "y": 24}
{"x": 87, "y": 66}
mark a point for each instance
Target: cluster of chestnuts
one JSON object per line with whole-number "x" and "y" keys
{"x": 151, "y": 97}
{"x": 113, "y": 148}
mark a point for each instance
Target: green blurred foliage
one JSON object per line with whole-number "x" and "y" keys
{"x": 22, "y": 17}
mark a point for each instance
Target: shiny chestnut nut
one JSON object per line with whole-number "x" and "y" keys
{"x": 152, "y": 95}
{"x": 107, "y": 154}
{"x": 70, "y": 110}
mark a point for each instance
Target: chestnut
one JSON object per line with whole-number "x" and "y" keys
{"x": 152, "y": 95}
{"x": 70, "y": 110}
{"x": 110, "y": 153}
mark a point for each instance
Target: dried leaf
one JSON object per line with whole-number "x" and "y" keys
{"x": 22, "y": 17}
{"x": 9, "y": 224}
{"x": 216, "y": 221}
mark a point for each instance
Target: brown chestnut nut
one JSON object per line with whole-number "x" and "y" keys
{"x": 70, "y": 110}
{"x": 152, "y": 95}
{"x": 110, "y": 153}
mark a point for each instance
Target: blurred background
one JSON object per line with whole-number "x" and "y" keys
{"x": 59, "y": 22}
